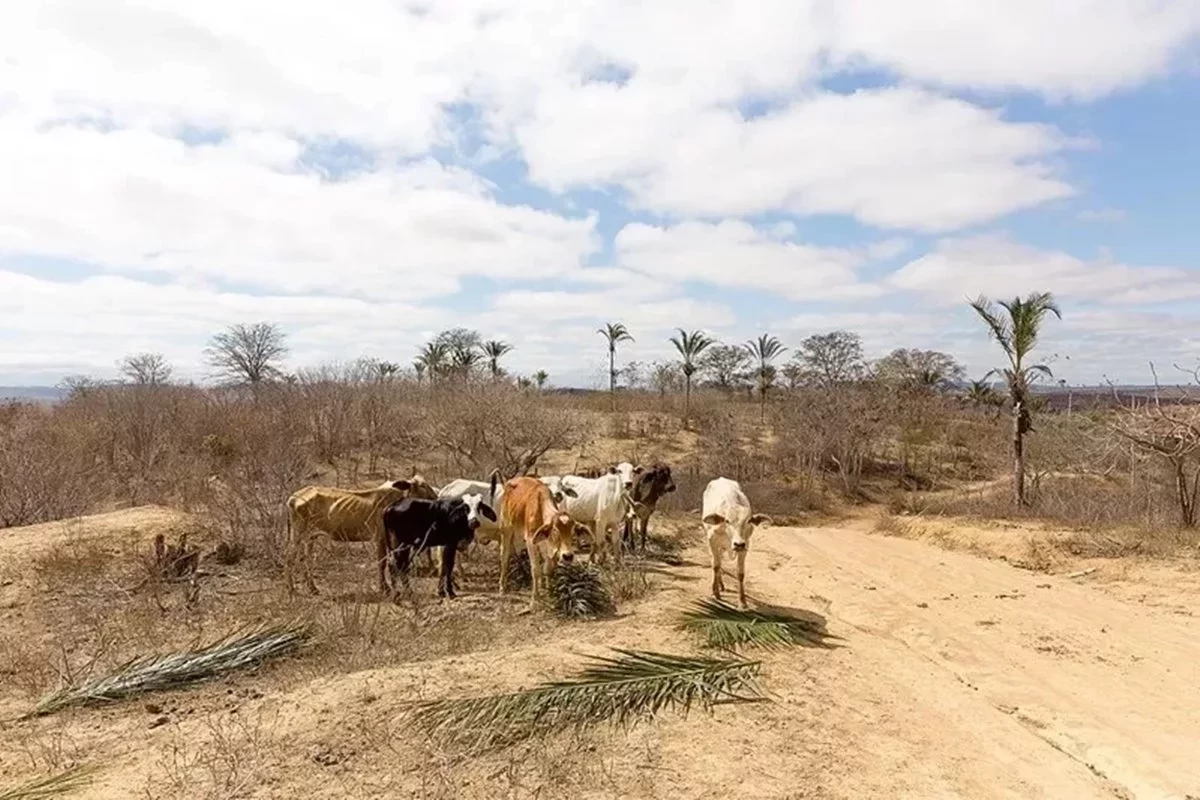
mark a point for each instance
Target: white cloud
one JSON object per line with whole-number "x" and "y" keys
{"x": 738, "y": 256}
{"x": 1082, "y": 48}
{"x": 244, "y": 211}
{"x": 996, "y": 265}
{"x": 898, "y": 157}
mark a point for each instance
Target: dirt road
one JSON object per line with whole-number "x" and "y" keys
{"x": 963, "y": 677}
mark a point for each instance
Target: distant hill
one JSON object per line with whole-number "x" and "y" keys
{"x": 40, "y": 394}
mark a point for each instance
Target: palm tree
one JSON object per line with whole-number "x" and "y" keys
{"x": 764, "y": 350}
{"x": 1015, "y": 325}
{"x": 494, "y": 351}
{"x": 433, "y": 358}
{"x": 541, "y": 376}
{"x": 690, "y": 346}
{"x": 463, "y": 361}
{"x": 614, "y": 332}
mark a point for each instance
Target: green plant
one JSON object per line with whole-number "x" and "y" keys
{"x": 614, "y": 333}
{"x": 725, "y": 627}
{"x": 175, "y": 670}
{"x": 690, "y": 345}
{"x": 621, "y": 690}
{"x": 578, "y": 591}
{"x": 51, "y": 786}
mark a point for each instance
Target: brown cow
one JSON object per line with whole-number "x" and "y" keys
{"x": 528, "y": 509}
{"x": 346, "y": 516}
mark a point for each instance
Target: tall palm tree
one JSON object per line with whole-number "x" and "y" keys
{"x": 463, "y": 361}
{"x": 494, "y": 351}
{"x": 690, "y": 345}
{"x": 541, "y": 376}
{"x": 1015, "y": 325}
{"x": 764, "y": 350}
{"x": 433, "y": 358}
{"x": 614, "y": 333}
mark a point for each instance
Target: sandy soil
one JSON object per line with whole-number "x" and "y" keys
{"x": 957, "y": 676}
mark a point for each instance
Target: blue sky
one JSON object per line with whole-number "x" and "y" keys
{"x": 535, "y": 169}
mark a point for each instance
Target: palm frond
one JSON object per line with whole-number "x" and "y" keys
{"x": 997, "y": 326}
{"x": 621, "y": 690}
{"x": 725, "y": 627}
{"x": 578, "y": 591}
{"x": 51, "y": 786}
{"x": 176, "y": 670}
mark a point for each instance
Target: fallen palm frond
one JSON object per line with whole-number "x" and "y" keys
{"x": 620, "y": 690}
{"x": 50, "y": 786}
{"x": 725, "y": 627}
{"x": 578, "y": 591}
{"x": 175, "y": 670}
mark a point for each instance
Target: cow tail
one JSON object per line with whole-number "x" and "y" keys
{"x": 492, "y": 490}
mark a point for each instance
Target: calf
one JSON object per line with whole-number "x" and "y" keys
{"x": 648, "y": 488}
{"x": 728, "y": 523}
{"x": 413, "y": 526}
{"x": 600, "y": 503}
{"x": 346, "y": 515}
{"x": 528, "y": 510}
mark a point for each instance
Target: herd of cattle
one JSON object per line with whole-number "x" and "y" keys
{"x": 549, "y": 517}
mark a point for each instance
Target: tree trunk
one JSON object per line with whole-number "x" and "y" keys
{"x": 1187, "y": 508}
{"x": 687, "y": 402}
{"x": 1018, "y": 456}
{"x": 612, "y": 376}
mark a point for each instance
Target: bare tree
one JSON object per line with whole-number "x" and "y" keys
{"x": 145, "y": 369}
{"x": 726, "y": 367}
{"x": 690, "y": 345}
{"x": 924, "y": 370}
{"x": 1015, "y": 325}
{"x": 831, "y": 359}
{"x": 247, "y": 353}
{"x": 614, "y": 333}
{"x": 1171, "y": 434}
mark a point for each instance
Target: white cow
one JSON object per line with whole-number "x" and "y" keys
{"x": 729, "y": 524}
{"x": 601, "y": 504}
{"x": 488, "y": 530}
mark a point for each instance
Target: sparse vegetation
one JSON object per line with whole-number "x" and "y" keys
{"x": 725, "y": 627}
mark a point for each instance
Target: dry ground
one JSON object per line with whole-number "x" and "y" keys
{"x": 958, "y": 676}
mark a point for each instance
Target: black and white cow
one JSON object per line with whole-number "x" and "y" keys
{"x": 413, "y": 526}
{"x": 649, "y": 486}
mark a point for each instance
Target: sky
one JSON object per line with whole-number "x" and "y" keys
{"x": 366, "y": 174}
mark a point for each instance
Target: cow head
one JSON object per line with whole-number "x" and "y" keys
{"x": 559, "y": 491}
{"x": 739, "y": 534}
{"x": 477, "y": 510}
{"x": 560, "y": 537}
{"x": 628, "y": 473}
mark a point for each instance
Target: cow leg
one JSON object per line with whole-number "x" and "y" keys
{"x": 506, "y": 547}
{"x": 535, "y": 567}
{"x": 716, "y": 551}
{"x": 741, "y": 577}
{"x": 644, "y": 523}
{"x": 403, "y": 560}
{"x": 446, "y": 578}
{"x": 381, "y": 560}
{"x": 307, "y": 557}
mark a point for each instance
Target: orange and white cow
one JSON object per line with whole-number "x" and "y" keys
{"x": 729, "y": 524}
{"x": 528, "y": 512}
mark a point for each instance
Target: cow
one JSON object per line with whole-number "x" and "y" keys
{"x": 528, "y": 510}
{"x": 489, "y": 530}
{"x": 728, "y": 523}
{"x": 414, "y": 525}
{"x": 648, "y": 488}
{"x": 345, "y": 515}
{"x": 601, "y": 504}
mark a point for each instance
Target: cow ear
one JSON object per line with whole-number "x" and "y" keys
{"x": 612, "y": 470}
{"x": 569, "y": 492}
{"x": 541, "y": 533}
{"x": 761, "y": 520}
{"x": 403, "y": 486}
{"x": 487, "y": 511}
{"x": 714, "y": 519}
{"x": 638, "y": 470}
